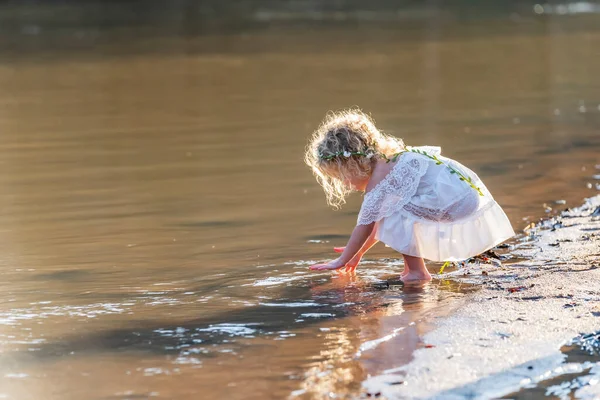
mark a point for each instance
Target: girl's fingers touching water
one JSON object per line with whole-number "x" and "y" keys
{"x": 350, "y": 266}
{"x": 331, "y": 265}
{"x": 324, "y": 267}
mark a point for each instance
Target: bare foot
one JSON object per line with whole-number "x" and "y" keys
{"x": 416, "y": 276}
{"x": 405, "y": 272}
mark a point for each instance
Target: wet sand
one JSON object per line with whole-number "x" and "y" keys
{"x": 508, "y": 335}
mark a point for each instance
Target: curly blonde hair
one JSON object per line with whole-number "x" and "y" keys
{"x": 348, "y": 131}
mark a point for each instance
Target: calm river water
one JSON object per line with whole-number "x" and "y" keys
{"x": 157, "y": 220}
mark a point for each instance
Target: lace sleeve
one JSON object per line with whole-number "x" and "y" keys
{"x": 394, "y": 191}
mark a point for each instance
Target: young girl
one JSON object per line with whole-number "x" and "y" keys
{"x": 416, "y": 201}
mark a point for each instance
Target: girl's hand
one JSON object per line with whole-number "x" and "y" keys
{"x": 336, "y": 264}
{"x": 331, "y": 265}
{"x": 353, "y": 263}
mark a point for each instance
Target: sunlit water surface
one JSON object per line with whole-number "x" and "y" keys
{"x": 156, "y": 220}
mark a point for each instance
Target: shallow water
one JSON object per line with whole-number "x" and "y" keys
{"x": 157, "y": 221}
{"x": 576, "y": 378}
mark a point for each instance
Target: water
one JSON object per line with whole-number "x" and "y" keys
{"x": 576, "y": 378}
{"x": 157, "y": 221}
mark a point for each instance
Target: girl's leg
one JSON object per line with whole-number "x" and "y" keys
{"x": 406, "y": 268}
{"x": 414, "y": 269}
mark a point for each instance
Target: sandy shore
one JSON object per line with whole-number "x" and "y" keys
{"x": 508, "y": 335}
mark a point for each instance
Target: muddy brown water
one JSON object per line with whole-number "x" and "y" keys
{"x": 157, "y": 221}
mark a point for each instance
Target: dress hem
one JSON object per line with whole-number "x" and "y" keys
{"x": 453, "y": 259}
{"x": 438, "y": 241}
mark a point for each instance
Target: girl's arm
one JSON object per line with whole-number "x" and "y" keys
{"x": 363, "y": 236}
{"x": 370, "y": 242}
{"x": 357, "y": 241}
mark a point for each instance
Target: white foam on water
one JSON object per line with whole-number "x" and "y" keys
{"x": 230, "y": 329}
{"x": 317, "y": 315}
{"x": 583, "y": 387}
{"x": 275, "y": 280}
{"x": 371, "y": 344}
{"x": 13, "y": 317}
{"x": 187, "y": 360}
{"x": 303, "y": 262}
{"x": 292, "y": 305}
{"x": 154, "y": 371}
{"x": 17, "y": 376}
{"x": 32, "y": 341}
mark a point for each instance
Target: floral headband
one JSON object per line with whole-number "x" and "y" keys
{"x": 369, "y": 153}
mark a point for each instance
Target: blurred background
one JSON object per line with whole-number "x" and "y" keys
{"x": 156, "y": 217}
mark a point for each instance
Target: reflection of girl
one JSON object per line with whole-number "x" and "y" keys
{"x": 416, "y": 201}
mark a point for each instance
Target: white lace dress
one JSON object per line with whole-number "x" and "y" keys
{"x": 424, "y": 210}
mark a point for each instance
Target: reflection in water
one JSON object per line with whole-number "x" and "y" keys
{"x": 378, "y": 334}
{"x": 335, "y": 372}
{"x": 157, "y": 222}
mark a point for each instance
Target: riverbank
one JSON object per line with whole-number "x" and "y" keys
{"x": 509, "y": 334}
